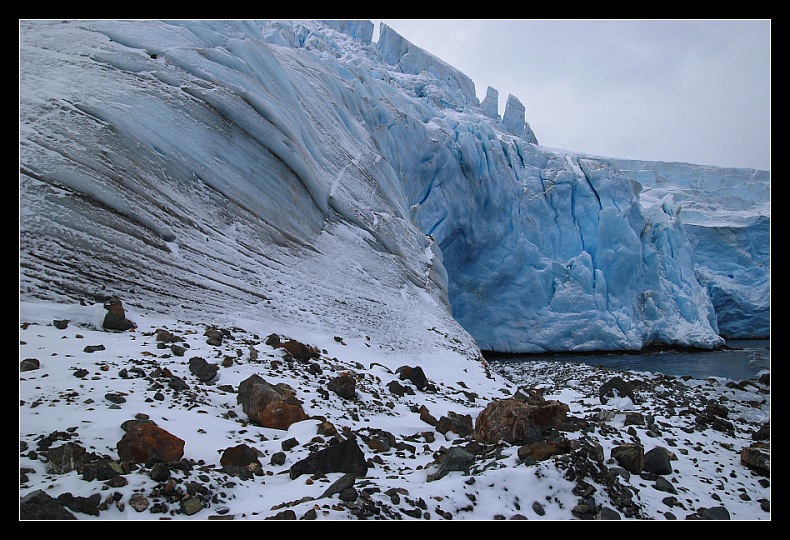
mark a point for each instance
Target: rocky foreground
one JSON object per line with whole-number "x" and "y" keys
{"x": 560, "y": 441}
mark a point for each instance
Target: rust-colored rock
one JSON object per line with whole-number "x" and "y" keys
{"x": 280, "y": 415}
{"x": 517, "y": 422}
{"x": 549, "y": 414}
{"x": 268, "y": 405}
{"x": 295, "y": 349}
{"x": 145, "y": 442}
{"x": 542, "y": 450}
{"x": 239, "y": 456}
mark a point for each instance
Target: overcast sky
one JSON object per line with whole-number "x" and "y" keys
{"x": 697, "y": 91}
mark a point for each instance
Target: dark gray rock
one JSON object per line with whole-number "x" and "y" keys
{"x": 714, "y": 513}
{"x": 607, "y": 513}
{"x": 662, "y": 484}
{"x": 66, "y": 458}
{"x": 456, "y": 459}
{"x": 160, "y": 472}
{"x": 413, "y": 374}
{"x": 344, "y": 482}
{"x": 29, "y": 364}
{"x": 657, "y": 461}
{"x": 38, "y": 505}
{"x": 202, "y": 369}
{"x": 344, "y": 386}
{"x": 615, "y": 387}
{"x": 345, "y": 456}
{"x": 84, "y": 505}
{"x": 630, "y": 456}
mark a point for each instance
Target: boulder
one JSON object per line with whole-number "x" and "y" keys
{"x": 517, "y": 422}
{"x": 147, "y": 442}
{"x": 345, "y": 456}
{"x": 268, "y": 405}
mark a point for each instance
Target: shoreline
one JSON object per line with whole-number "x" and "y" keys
{"x": 650, "y": 349}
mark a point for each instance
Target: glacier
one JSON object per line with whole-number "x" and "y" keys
{"x": 256, "y": 167}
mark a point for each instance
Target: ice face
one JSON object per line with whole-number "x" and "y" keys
{"x": 275, "y": 165}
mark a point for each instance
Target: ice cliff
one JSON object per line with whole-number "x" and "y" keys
{"x": 237, "y": 166}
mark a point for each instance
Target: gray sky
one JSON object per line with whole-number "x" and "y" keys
{"x": 697, "y": 91}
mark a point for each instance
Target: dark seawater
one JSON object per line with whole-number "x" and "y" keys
{"x": 745, "y": 359}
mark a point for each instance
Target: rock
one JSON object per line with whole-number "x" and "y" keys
{"x": 427, "y": 417}
{"x": 413, "y": 374}
{"x": 115, "y": 319}
{"x": 344, "y": 386}
{"x": 38, "y": 505}
{"x": 460, "y": 424}
{"x": 614, "y": 388}
{"x": 272, "y": 406}
{"x": 516, "y": 422}
{"x": 344, "y": 482}
{"x": 84, "y": 505}
{"x": 296, "y": 350}
{"x": 398, "y": 389}
{"x": 757, "y": 456}
{"x": 160, "y": 472}
{"x": 201, "y": 369}
{"x": 455, "y": 459}
{"x": 145, "y": 442}
{"x": 345, "y": 456}
{"x": 241, "y": 456}
{"x": 634, "y": 419}
{"x": 762, "y": 434}
{"x": 101, "y": 470}
{"x": 177, "y": 383}
{"x": 348, "y": 495}
{"x": 114, "y": 398}
{"x": 66, "y": 458}
{"x": 607, "y": 513}
{"x": 657, "y": 461}
{"x": 540, "y": 450}
{"x": 214, "y": 337}
{"x": 165, "y": 336}
{"x": 29, "y": 364}
{"x": 662, "y": 484}
{"x": 191, "y": 506}
{"x": 630, "y": 456}
{"x": 61, "y": 324}
{"x": 289, "y": 443}
{"x": 139, "y": 502}
{"x": 714, "y": 513}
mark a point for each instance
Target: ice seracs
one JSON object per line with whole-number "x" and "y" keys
{"x": 490, "y": 103}
{"x": 514, "y": 120}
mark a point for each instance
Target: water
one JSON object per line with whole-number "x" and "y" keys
{"x": 747, "y": 360}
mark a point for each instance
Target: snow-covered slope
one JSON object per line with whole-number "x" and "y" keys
{"x": 298, "y": 172}
{"x": 191, "y": 168}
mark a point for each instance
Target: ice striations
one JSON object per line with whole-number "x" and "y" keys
{"x": 242, "y": 164}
